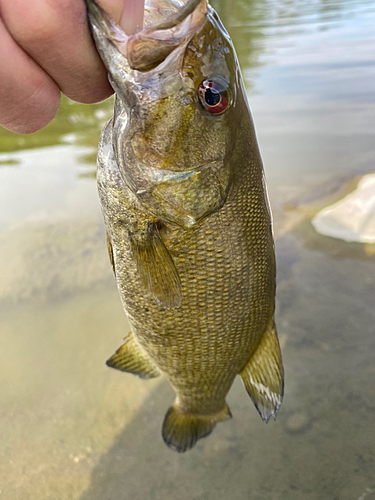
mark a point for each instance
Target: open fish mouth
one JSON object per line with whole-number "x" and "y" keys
{"x": 167, "y": 24}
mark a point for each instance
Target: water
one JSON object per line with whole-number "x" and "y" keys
{"x": 73, "y": 429}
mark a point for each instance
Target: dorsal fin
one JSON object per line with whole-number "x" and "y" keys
{"x": 263, "y": 375}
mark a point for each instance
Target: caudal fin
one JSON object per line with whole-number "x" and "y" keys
{"x": 181, "y": 430}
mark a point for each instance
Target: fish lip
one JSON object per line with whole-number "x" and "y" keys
{"x": 100, "y": 20}
{"x": 149, "y": 47}
{"x": 116, "y": 33}
{"x": 175, "y": 19}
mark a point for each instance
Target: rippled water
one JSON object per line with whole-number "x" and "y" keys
{"x": 73, "y": 429}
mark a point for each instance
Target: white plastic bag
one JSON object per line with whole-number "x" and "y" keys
{"x": 353, "y": 217}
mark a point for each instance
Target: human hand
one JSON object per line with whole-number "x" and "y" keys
{"x": 46, "y": 48}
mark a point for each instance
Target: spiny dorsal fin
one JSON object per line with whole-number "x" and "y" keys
{"x": 181, "y": 430}
{"x": 156, "y": 267}
{"x": 130, "y": 357}
{"x": 263, "y": 375}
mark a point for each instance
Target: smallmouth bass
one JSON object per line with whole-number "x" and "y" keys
{"x": 189, "y": 228}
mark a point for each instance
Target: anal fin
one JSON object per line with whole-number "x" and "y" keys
{"x": 263, "y": 375}
{"x": 156, "y": 267}
{"x": 181, "y": 430}
{"x": 131, "y": 358}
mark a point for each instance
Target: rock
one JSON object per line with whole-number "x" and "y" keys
{"x": 297, "y": 423}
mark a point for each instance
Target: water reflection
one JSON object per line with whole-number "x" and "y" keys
{"x": 75, "y": 123}
{"x": 240, "y": 23}
{"x": 72, "y": 426}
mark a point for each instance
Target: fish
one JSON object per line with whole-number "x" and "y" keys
{"x": 189, "y": 227}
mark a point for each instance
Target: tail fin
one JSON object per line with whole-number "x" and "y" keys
{"x": 181, "y": 430}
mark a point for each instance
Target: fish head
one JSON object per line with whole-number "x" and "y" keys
{"x": 176, "y": 83}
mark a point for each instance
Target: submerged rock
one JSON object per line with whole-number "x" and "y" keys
{"x": 298, "y": 422}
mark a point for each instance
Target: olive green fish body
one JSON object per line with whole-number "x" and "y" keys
{"x": 189, "y": 230}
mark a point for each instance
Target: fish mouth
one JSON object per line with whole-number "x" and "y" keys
{"x": 167, "y": 25}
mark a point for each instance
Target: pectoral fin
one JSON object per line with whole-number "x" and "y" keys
{"x": 130, "y": 357}
{"x": 110, "y": 253}
{"x": 156, "y": 267}
{"x": 263, "y": 375}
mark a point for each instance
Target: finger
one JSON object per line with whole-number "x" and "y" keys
{"x": 55, "y": 34}
{"x": 132, "y": 16}
{"x": 127, "y": 13}
{"x": 112, "y": 7}
{"x": 29, "y": 99}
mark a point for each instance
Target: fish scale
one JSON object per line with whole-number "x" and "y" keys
{"x": 189, "y": 333}
{"x": 192, "y": 249}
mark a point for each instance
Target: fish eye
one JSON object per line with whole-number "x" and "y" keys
{"x": 213, "y": 96}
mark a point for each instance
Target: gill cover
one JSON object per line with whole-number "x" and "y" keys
{"x": 171, "y": 150}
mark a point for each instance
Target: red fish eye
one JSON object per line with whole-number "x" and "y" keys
{"x": 213, "y": 97}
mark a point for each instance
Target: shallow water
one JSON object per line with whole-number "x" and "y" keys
{"x": 72, "y": 428}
